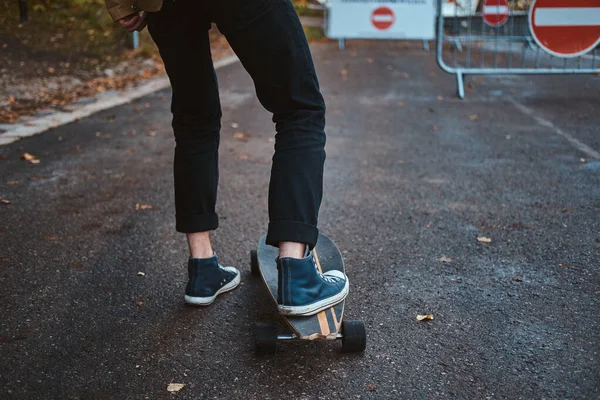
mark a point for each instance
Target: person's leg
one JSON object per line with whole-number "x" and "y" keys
{"x": 180, "y": 31}
{"x": 269, "y": 40}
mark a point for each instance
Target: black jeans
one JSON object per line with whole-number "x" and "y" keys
{"x": 267, "y": 37}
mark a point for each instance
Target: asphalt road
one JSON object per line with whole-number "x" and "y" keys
{"x": 413, "y": 176}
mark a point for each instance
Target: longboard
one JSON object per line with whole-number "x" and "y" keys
{"x": 326, "y": 324}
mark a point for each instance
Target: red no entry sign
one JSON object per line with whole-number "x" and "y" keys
{"x": 382, "y": 18}
{"x": 495, "y": 12}
{"x": 565, "y": 28}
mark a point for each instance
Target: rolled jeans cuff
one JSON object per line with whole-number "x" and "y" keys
{"x": 190, "y": 223}
{"x": 292, "y": 231}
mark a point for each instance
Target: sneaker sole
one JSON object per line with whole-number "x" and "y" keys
{"x": 312, "y": 309}
{"x": 205, "y": 301}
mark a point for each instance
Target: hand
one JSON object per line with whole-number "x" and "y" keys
{"x": 134, "y": 22}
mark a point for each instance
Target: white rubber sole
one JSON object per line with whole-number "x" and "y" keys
{"x": 312, "y": 309}
{"x": 205, "y": 301}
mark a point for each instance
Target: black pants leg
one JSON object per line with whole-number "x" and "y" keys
{"x": 180, "y": 31}
{"x": 269, "y": 40}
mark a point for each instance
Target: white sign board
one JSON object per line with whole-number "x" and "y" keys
{"x": 381, "y": 19}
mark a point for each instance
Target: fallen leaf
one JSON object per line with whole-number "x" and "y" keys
{"x": 76, "y": 265}
{"x": 473, "y": 117}
{"x": 563, "y": 265}
{"x": 4, "y": 201}
{"x": 140, "y": 273}
{"x": 175, "y": 387}
{"x": 444, "y": 259}
{"x": 151, "y": 133}
{"x": 427, "y": 317}
{"x": 51, "y": 70}
{"x": 238, "y": 135}
{"x": 139, "y": 206}
{"x": 31, "y": 158}
{"x": 344, "y": 73}
{"x": 370, "y": 60}
{"x": 139, "y": 302}
{"x": 370, "y": 387}
{"x": 517, "y": 279}
{"x": 130, "y": 150}
{"x": 483, "y": 239}
{"x": 12, "y": 182}
{"x": 11, "y": 99}
{"x": 235, "y": 125}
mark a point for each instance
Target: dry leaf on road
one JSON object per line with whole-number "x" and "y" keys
{"x": 444, "y": 259}
{"x": 175, "y": 387}
{"x": 238, "y": 135}
{"x": 4, "y": 201}
{"x": 31, "y": 158}
{"x": 139, "y": 206}
{"x": 483, "y": 239}
{"x": 427, "y": 317}
{"x": 473, "y": 117}
{"x": 235, "y": 125}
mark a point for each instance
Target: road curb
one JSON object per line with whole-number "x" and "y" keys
{"x": 101, "y": 102}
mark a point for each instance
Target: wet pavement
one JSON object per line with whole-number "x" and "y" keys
{"x": 92, "y": 271}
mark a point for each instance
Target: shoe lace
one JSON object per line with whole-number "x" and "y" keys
{"x": 326, "y": 278}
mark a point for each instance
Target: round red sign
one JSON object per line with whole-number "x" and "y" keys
{"x": 565, "y": 28}
{"x": 495, "y": 12}
{"x": 383, "y": 18}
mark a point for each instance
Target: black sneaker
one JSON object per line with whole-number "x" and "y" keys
{"x": 208, "y": 279}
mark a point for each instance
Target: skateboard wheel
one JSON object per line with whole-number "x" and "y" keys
{"x": 254, "y": 263}
{"x": 354, "y": 336}
{"x": 265, "y": 338}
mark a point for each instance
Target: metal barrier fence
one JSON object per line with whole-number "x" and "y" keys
{"x": 466, "y": 44}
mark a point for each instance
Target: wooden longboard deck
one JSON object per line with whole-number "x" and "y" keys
{"x": 323, "y": 325}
